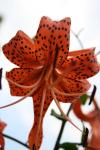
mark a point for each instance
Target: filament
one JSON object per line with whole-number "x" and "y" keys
{"x": 24, "y": 86}
{"x": 67, "y": 94}
{"x": 34, "y": 88}
{"x": 62, "y": 112}
{"x": 21, "y": 99}
{"x": 60, "y": 109}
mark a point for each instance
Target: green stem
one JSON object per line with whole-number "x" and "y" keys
{"x": 61, "y": 130}
{"x": 78, "y": 39}
{"x": 15, "y": 140}
{"x": 80, "y": 144}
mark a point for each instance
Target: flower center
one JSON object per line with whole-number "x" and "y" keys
{"x": 49, "y": 71}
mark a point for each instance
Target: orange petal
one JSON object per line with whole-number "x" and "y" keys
{"x": 26, "y": 53}
{"x": 95, "y": 138}
{"x": 93, "y": 118}
{"x": 56, "y": 36}
{"x": 2, "y": 142}
{"x": 2, "y": 126}
{"x": 18, "y": 50}
{"x": 24, "y": 77}
{"x": 60, "y": 35}
{"x": 83, "y": 64}
{"x": 79, "y": 113}
{"x": 37, "y": 106}
{"x": 69, "y": 86}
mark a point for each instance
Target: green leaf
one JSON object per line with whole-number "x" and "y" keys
{"x": 84, "y": 98}
{"x": 80, "y": 31}
{"x": 68, "y": 146}
{"x": 84, "y": 137}
{"x": 53, "y": 113}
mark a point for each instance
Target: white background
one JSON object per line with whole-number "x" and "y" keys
{"x": 25, "y": 15}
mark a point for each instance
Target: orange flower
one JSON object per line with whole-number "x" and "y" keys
{"x": 93, "y": 118}
{"x": 48, "y": 70}
{"x": 2, "y": 142}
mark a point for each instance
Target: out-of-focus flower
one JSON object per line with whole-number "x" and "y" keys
{"x": 48, "y": 70}
{"x": 93, "y": 118}
{"x": 2, "y": 127}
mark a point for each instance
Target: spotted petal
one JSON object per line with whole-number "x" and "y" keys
{"x": 33, "y": 141}
{"x": 2, "y": 127}
{"x": 59, "y": 40}
{"x": 26, "y": 53}
{"x": 24, "y": 77}
{"x": 72, "y": 89}
{"x": 81, "y": 64}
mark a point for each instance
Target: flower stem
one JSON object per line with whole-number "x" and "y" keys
{"x": 78, "y": 39}
{"x": 61, "y": 130}
{"x": 15, "y": 140}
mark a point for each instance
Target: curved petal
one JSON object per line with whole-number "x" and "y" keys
{"x": 81, "y": 64}
{"x": 78, "y": 112}
{"x": 58, "y": 38}
{"x": 37, "y": 107}
{"x": 26, "y": 53}
{"x": 2, "y": 126}
{"x": 24, "y": 77}
{"x": 2, "y": 141}
{"x": 95, "y": 138}
{"x": 93, "y": 118}
{"x": 60, "y": 35}
{"x": 22, "y": 51}
{"x": 72, "y": 89}
{"x": 18, "y": 50}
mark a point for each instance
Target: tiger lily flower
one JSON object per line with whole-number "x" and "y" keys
{"x": 93, "y": 118}
{"x": 2, "y": 127}
{"x": 47, "y": 70}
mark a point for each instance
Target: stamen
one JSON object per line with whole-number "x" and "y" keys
{"x": 48, "y": 74}
{"x": 67, "y": 94}
{"x": 58, "y": 71}
{"x": 62, "y": 112}
{"x": 21, "y": 86}
{"x": 61, "y": 75}
{"x": 24, "y": 86}
{"x": 63, "y": 93}
{"x": 19, "y": 100}
{"x": 55, "y": 82}
{"x": 60, "y": 109}
{"x": 67, "y": 70}
{"x": 39, "y": 67}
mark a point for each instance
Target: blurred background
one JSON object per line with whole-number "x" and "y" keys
{"x": 25, "y": 15}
